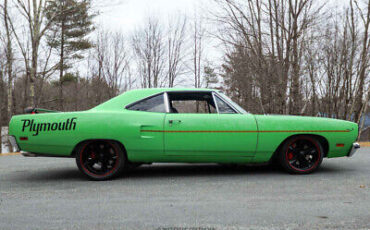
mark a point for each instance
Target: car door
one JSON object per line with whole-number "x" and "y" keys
{"x": 144, "y": 135}
{"x": 218, "y": 133}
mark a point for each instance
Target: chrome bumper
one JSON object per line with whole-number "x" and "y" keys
{"x": 355, "y": 147}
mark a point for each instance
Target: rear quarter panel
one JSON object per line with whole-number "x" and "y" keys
{"x": 46, "y": 133}
{"x": 122, "y": 126}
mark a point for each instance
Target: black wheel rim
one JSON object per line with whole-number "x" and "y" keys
{"x": 99, "y": 158}
{"x": 303, "y": 154}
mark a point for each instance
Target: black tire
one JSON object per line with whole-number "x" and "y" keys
{"x": 301, "y": 155}
{"x": 100, "y": 159}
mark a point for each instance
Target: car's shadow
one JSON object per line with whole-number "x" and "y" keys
{"x": 185, "y": 170}
{"x": 59, "y": 174}
{"x": 178, "y": 170}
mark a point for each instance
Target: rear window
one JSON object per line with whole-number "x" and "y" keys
{"x": 152, "y": 104}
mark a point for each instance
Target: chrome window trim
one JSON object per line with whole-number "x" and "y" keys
{"x": 214, "y": 101}
{"x": 166, "y": 102}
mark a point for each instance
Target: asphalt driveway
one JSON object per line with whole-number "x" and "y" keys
{"x": 50, "y": 193}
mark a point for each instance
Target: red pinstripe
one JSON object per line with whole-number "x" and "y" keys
{"x": 246, "y": 131}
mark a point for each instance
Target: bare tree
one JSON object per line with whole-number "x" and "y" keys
{"x": 2, "y": 67}
{"x": 116, "y": 63}
{"x": 263, "y": 73}
{"x": 175, "y": 41}
{"x": 100, "y": 55}
{"x": 47, "y": 69}
{"x": 113, "y": 60}
{"x": 269, "y": 38}
{"x": 342, "y": 56}
{"x": 34, "y": 13}
{"x": 359, "y": 103}
{"x": 197, "y": 51}
{"x": 149, "y": 48}
{"x": 9, "y": 59}
{"x": 301, "y": 16}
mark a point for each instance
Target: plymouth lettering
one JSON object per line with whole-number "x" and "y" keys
{"x": 32, "y": 126}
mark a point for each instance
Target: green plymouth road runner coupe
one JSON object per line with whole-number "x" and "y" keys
{"x": 179, "y": 125}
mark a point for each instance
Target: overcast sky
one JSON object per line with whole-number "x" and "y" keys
{"x": 125, "y": 15}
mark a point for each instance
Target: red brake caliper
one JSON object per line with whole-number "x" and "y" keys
{"x": 290, "y": 155}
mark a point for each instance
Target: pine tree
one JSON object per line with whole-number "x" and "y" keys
{"x": 68, "y": 34}
{"x": 210, "y": 77}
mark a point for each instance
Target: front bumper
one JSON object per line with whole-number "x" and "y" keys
{"x": 13, "y": 142}
{"x": 355, "y": 147}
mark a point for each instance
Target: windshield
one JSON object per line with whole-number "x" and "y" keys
{"x": 240, "y": 109}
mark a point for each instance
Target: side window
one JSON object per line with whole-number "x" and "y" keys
{"x": 192, "y": 106}
{"x": 223, "y": 107}
{"x": 191, "y": 102}
{"x": 152, "y": 104}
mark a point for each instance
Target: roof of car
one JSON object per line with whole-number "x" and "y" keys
{"x": 131, "y": 96}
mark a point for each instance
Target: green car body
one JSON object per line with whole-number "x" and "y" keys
{"x": 176, "y": 137}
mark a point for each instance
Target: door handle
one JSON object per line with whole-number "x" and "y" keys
{"x": 174, "y": 121}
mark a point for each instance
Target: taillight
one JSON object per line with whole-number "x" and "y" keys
{"x": 23, "y": 138}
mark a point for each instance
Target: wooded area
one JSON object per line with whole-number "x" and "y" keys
{"x": 299, "y": 57}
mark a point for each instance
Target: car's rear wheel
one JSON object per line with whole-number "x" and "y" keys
{"x": 100, "y": 159}
{"x": 301, "y": 155}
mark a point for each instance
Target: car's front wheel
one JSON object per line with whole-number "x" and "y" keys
{"x": 301, "y": 155}
{"x": 100, "y": 159}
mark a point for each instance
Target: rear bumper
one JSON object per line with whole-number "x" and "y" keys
{"x": 355, "y": 147}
